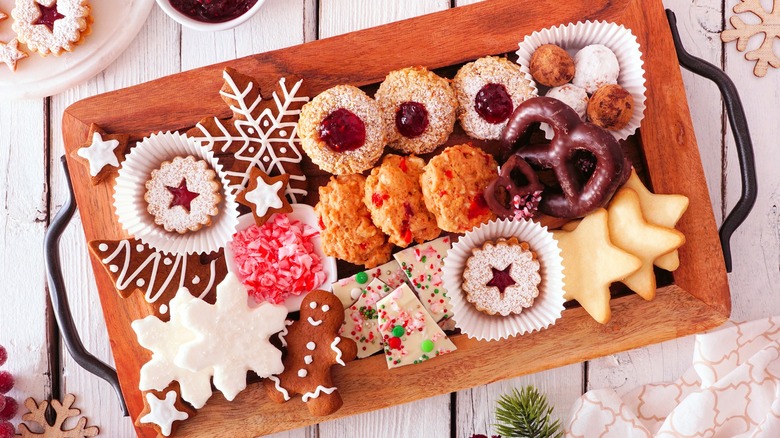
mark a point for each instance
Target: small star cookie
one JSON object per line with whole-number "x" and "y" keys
{"x": 661, "y": 210}
{"x": 162, "y": 409}
{"x": 3, "y": 15}
{"x": 265, "y": 195}
{"x": 591, "y": 262}
{"x": 10, "y": 53}
{"x": 102, "y": 153}
{"x": 629, "y": 231}
{"x": 51, "y": 26}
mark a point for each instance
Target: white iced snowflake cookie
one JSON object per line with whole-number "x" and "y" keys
{"x": 232, "y": 338}
{"x": 51, "y": 26}
{"x": 502, "y": 277}
{"x": 183, "y": 194}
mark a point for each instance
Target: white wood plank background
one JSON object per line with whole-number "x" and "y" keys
{"x": 32, "y": 191}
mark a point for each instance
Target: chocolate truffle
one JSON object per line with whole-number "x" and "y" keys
{"x": 611, "y": 107}
{"x": 551, "y": 66}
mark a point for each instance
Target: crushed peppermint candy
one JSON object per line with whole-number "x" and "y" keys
{"x": 525, "y": 206}
{"x": 277, "y": 260}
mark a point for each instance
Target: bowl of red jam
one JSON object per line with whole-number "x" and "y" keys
{"x": 210, "y": 15}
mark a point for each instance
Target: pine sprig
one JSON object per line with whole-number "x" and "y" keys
{"x": 526, "y": 414}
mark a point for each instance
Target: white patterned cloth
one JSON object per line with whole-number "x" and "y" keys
{"x": 732, "y": 390}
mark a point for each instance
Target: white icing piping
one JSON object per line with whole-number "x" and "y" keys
{"x": 316, "y": 393}
{"x": 333, "y": 346}
{"x": 313, "y": 322}
{"x": 279, "y": 387}
{"x": 212, "y": 274}
{"x": 284, "y": 332}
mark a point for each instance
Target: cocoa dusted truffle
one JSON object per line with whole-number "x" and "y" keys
{"x": 551, "y": 66}
{"x": 611, "y": 107}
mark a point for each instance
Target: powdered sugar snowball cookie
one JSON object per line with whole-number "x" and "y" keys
{"x": 182, "y": 195}
{"x": 347, "y": 231}
{"x": 453, "y": 185}
{"x": 572, "y": 95}
{"x": 51, "y": 26}
{"x": 488, "y": 91}
{"x": 419, "y": 108}
{"x": 596, "y": 65}
{"x": 10, "y": 53}
{"x": 502, "y": 277}
{"x": 394, "y": 198}
{"x": 342, "y": 130}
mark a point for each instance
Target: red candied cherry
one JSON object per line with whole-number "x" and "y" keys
{"x": 411, "y": 119}
{"x": 6, "y": 382}
{"x": 9, "y": 411}
{"x": 7, "y": 430}
{"x": 493, "y": 103}
{"x": 478, "y": 206}
{"x": 3, "y": 355}
{"x": 378, "y": 198}
{"x": 342, "y": 131}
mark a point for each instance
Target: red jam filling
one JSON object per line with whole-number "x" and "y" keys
{"x": 493, "y": 103}
{"x": 501, "y": 278}
{"x": 182, "y": 196}
{"x": 49, "y": 15}
{"x": 343, "y": 131}
{"x": 411, "y": 119}
{"x": 213, "y": 11}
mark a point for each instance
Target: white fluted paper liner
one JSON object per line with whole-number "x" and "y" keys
{"x": 547, "y": 306}
{"x": 574, "y": 37}
{"x": 130, "y": 206}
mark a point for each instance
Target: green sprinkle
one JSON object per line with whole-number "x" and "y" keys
{"x": 361, "y": 278}
{"x": 427, "y": 346}
{"x": 398, "y": 331}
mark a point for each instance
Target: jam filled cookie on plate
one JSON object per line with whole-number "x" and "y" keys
{"x": 488, "y": 90}
{"x": 342, "y": 130}
{"x": 51, "y": 26}
{"x": 394, "y": 198}
{"x": 419, "y": 107}
{"x": 183, "y": 194}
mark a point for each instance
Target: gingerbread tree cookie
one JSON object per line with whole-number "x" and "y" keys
{"x": 134, "y": 266}
{"x": 265, "y": 195}
{"x": 102, "y": 153}
{"x": 261, "y": 133}
{"x": 313, "y": 347}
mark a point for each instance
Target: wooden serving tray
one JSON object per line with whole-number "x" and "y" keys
{"x": 694, "y": 299}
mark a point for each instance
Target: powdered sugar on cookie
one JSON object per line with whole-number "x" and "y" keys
{"x": 10, "y": 53}
{"x": 51, "y": 26}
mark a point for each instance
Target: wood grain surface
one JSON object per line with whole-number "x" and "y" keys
{"x": 33, "y": 192}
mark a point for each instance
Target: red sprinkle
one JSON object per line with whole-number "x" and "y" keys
{"x": 394, "y": 343}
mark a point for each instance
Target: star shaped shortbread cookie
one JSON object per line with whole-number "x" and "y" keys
{"x": 631, "y": 232}
{"x": 661, "y": 210}
{"x": 591, "y": 263}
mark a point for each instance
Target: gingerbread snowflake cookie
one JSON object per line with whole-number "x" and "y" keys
{"x": 183, "y": 194}
{"x": 264, "y": 195}
{"x": 102, "y": 153}
{"x": 313, "y": 347}
{"x": 10, "y": 53}
{"x": 262, "y": 133}
{"x": 51, "y": 26}
{"x": 502, "y": 277}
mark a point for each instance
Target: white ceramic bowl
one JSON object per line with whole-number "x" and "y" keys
{"x": 201, "y": 26}
{"x": 304, "y": 213}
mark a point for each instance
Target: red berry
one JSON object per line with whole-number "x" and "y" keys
{"x": 6, "y": 382}
{"x": 2, "y": 403}
{"x": 7, "y": 430}
{"x": 411, "y": 119}
{"x": 3, "y": 355}
{"x": 10, "y": 409}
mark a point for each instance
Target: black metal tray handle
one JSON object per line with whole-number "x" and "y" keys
{"x": 739, "y": 127}
{"x": 59, "y": 298}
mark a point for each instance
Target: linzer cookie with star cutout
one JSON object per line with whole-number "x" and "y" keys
{"x": 51, "y": 26}
{"x": 183, "y": 195}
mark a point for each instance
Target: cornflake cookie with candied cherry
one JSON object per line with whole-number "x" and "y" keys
{"x": 489, "y": 89}
{"x": 347, "y": 230}
{"x": 502, "y": 277}
{"x": 453, "y": 185}
{"x": 419, "y": 108}
{"x": 183, "y": 194}
{"x": 342, "y": 130}
{"x": 51, "y": 26}
{"x": 394, "y": 198}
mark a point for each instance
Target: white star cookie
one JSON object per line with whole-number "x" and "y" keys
{"x": 102, "y": 153}
{"x": 232, "y": 338}
{"x": 164, "y": 340}
{"x": 163, "y": 412}
{"x": 265, "y": 195}
{"x": 10, "y": 53}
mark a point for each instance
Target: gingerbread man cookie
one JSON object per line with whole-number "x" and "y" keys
{"x": 313, "y": 346}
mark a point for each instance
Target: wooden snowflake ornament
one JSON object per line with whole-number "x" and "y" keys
{"x": 63, "y": 412}
{"x": 769, "y": 25}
